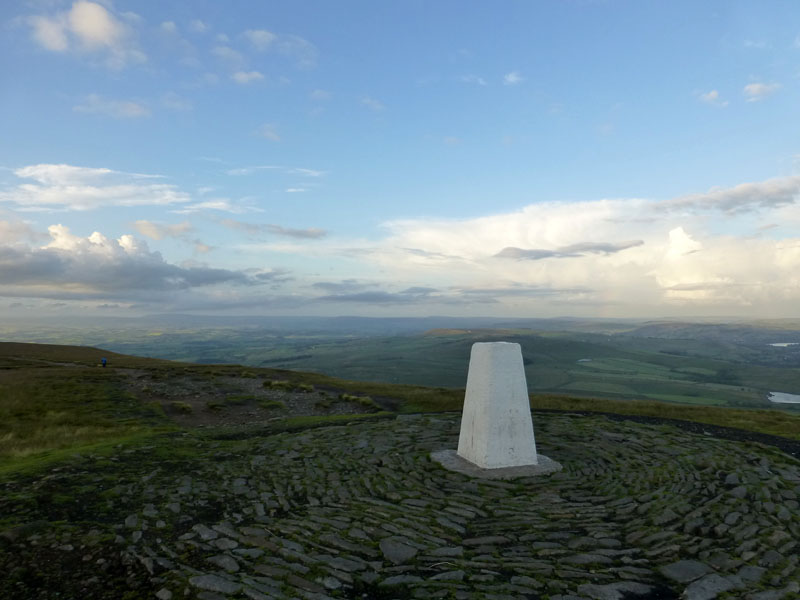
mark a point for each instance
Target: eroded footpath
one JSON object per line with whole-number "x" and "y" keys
{"x": 640, "y": 511}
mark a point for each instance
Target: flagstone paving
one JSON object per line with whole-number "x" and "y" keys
{"x": 639, "y": 511}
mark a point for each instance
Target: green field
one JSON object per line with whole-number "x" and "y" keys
{"x": 731, "y": 365}
{"x": 57, "y": 400}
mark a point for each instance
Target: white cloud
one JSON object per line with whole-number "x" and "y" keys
{"x": 173, "y": 101}
{"x": 512, "y": 78}
{"x": 67, "y": 187}
{"x": 713, "y": 98}
{"x": 289, "y": 170}
{"x": 298, "y": 49}
{"x": 320, "y": 95}
{"x": 268, "y": 131}
{"x": 473, "y": 79}
{"x": 88, "y": 28}
{"x": 169, "y": 27}
{"x": 372, "y": 104}
{"x": 215, "y": 204}
{"x": 50, "y": 33}
{"x": 245, "y": 77}
{"x": 197, "y": 26}
{"x": 758, "y": 91}
{"x": 644, "y": 257}
{"x": 261, "y": 39}
{"x": 118, "y": 109}
{"x": 157, "y": 231}
{"x": 228, "y": 55}
{"x": 295, "y": 190}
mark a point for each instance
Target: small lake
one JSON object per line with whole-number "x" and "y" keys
{"x": 782, "y": 398}
{"x": 784, "y": 344}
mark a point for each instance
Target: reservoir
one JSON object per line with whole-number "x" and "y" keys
{"x": 782, "y": 398}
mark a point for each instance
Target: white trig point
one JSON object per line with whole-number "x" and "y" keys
{"x": 496, "y": 425}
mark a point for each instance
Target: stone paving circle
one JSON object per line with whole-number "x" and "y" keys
{"x": 638, "y": 511}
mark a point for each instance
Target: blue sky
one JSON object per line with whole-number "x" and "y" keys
{"x": 470, "y": 158}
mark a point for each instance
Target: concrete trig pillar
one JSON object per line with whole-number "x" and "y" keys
{"x": 496, "y": 425}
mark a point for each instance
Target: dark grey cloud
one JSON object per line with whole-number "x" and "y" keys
{"x": 427, "y": 254}
{"x": 375, "y": 297}
{"x": 521, "y": 254}
{"x": 412, "y": 295}
{"x": 571, "y": 251}
{"x": 58, "y": 273}
{"x": 599, "y": 247}
{"x": 345, "y": 286}
{"x": 517, "y": 291}
{"x": 741, "y": 198}
{"x": 706, "y": 286}
{"x": 256, "y": 229}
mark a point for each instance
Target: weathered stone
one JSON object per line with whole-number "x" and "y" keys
{"x": 401, "y": 580}
{"x": 206, "y": 534}
{"x": 685, "y": 571}
{"x": 215, "y": 583}
{"x": 449, "y": 576}
{"x": 397, "y": 550}
{"x": 224, "y": 561}
{"x": 708, "y": 588}
{"x": 620, "y": 590}
{"x": 447, "y": 551}
{"x": 486, "y": 540}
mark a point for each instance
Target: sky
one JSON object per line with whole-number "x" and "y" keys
{"x": 514, "y": 158}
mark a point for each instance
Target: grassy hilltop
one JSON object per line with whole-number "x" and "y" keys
{"x": 57, "y": 400}
{"x": 184, "y": 480}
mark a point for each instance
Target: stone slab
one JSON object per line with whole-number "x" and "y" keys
{"x": 450, "y": 460}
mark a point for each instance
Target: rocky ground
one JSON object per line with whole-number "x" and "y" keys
{"x": 640, "y": 511}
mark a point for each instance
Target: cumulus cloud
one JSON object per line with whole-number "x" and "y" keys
{"x": 118, "y": 109}
{"x": 96, "y": 266}
{"x": 754, "y": 92}
{"x": 645, "y": 255}
{"x": 68, "y": 187}
{"x": 512, "y": 78}
{"x": 91, "y": 29}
